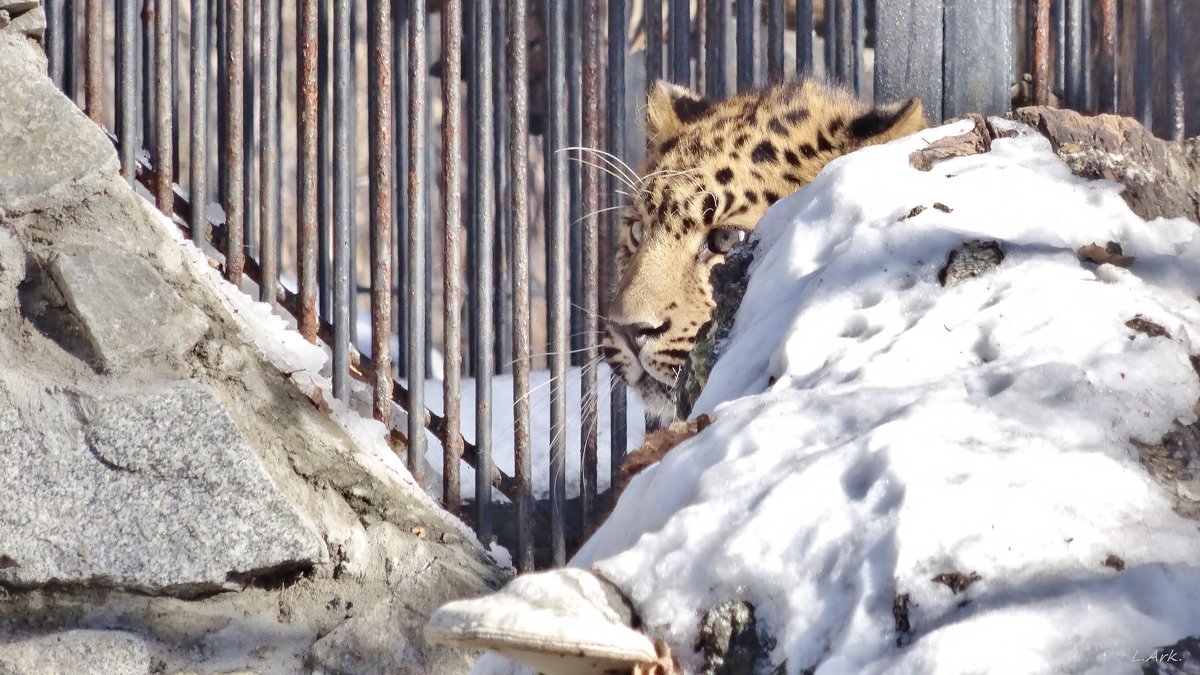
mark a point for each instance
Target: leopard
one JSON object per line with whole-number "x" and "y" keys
{"x": 712, "y": 169}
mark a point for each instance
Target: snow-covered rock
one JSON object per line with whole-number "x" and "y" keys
{"x": 910, "y": 478}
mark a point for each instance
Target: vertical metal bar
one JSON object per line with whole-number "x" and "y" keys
{"x": 306, "y": 170}
{"x": 1106, "y": 67}
{"x": 717, "y": 19}
{"x": 700, "y": 74}
{"x": 163, "y": 122}
{"x": 775, "y": 26}
{"x": 198, "y": 143}
{"x": 1145, "y": 63}
{"x": 804, "y": 38}
{"x": 400, "y": 157}
{"x": 1087, "y": 64}
{"x": 56, "y": 40}
{"x": 324, "y": 163}
{"x": 175, "y": 76}
{"x": 1073, "y": 44}
{"x": 857, "y": 45}
{"x": 976, "y": 80}
{"x": 503, "y": 259}
{"x": 556, "y": 282}
{"x": 252, "y": 131}
{"x": 654, "y": 24}
{"x": 268, "y": 165}
{"x": 573, "y": 81}
{"x": 745, "y": 43}
{"x": 1058, "y": 16}
{"x": 70, "y": 84}
{"x": 1041, "y": 53}
{"x": 379, "y": 120}
{"x": 148, "y": 108}
{"x": 483, "y": 213}
{"x": 591, "y": 265}
{"x": 93, "y": 61}
{"x": 615, "y": 110}
{"x": 1176, "y": 117}
{"x": 127, "y": 115}
{"x": 415, "y": 281}
{"x": 681, "y": 41}
{"x": 518, "y": 78}
{"x": 908, "y": 55}
{"x": 342, "y": 203}
{"x": 219, "y": 30}
{"x": 451, "y": 250}
{"x": 234, "y": 256}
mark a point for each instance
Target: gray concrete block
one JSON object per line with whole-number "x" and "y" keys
{"x": 45, "y": 141}
{"x": 156, "y": 491}
{"x": 79, "y": 652}
{"x": 129, "y": 313}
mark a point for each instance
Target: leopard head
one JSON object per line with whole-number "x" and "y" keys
{"x": 712, "y": 170}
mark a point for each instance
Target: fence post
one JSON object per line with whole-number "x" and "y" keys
{"x": 908, "y": 53}
{"x": 978, "y": 35}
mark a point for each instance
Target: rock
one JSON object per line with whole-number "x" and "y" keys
{"x": 970, "y": 260}
{"x": 12, "y": 268}
{"x": 47, "y": 141}
{"x": 15, "y": 7}
{"x": 1181, "y": 658}
{"x": 977, "y": 140}
{"x": 728, "y": 639}
{"x": 31, "y": 24}
{"x": 79, "y": 652}
{"x": 1161, "y": 178}
{"x": 129, "y": 314}
{"x": 155, "y": 491}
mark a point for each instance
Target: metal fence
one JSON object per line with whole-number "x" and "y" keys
{"x": 245, "y": 120}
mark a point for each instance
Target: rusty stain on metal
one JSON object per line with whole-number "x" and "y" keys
{"x": 591, "y": 265}
{"x": 163, "y": 123}
{"x": 306, "y": 231}
{"x": 235, "y": 258}
{"x": 380, "y": 104}
{"x": 1041, "y": 53}
{"x": 93, "y": 62}
{"x": 1108, "y": 56}
{"x": 452, "y": 248}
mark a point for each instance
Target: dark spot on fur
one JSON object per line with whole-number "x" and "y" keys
{"x": 695, "y": 146}
{"x": 729, "y": 200}
{"x": 724, "y": 175}
{"x": 735, "y": 156}
{"x": 675, "y": 354}
{"x": 793, "y": 178}
{"x": 673, "y": 305}
{"x": 764, "y": 152}
{"x": 777, "y": 127}
{"x": 791, "y": 158}
{"x": 668, "y": 145}
{"x": 708, "y": 208}
{"x": 797, "y": 115}
{"x": 740, "y": 140}
{"x": 689, "y": 109}
{"x": 720, "y": 143}
{"x": 610, "y": 352}
{"x": 687, "y": 225}
{"x": 752, "y": 196}
{"x": 836, "y": 124}
{"x": 823, "y": 143}
{"x": 808, "y": 150}
{"x": 771, "y": 197}
{"x": 878, "y": 121}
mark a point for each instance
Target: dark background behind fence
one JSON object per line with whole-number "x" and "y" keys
{"x": 398, "y": 175}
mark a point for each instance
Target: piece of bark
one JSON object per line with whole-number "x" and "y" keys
{"x": 655, "y": 446}
{"x": 957, "y": 582}
{"x": 1161, "y": 178}
{"x": 976, "y": 141}
{"x": 1110, "y": 254}
{"x": 974, "y": 258}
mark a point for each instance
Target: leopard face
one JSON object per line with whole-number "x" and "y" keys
{"x": 712, "y": 170}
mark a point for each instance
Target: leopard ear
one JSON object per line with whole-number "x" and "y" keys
{"x": 670, "y": 106}
{"x": 886, "y": 124}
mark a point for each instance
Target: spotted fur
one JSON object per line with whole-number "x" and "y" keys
{"x": 712, "y": 170}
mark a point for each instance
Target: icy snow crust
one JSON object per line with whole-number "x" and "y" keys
{"x": 875, "y": 430}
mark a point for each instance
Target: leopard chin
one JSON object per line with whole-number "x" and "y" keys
{"x": 658, "y": 401}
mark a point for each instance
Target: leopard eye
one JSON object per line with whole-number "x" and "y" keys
{"x": 722, "y": 240}
{"x": 635, "y": 232}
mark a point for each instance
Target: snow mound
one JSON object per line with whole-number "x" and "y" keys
{"x": 875, "y": 430}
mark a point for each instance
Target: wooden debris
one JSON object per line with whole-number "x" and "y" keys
{"x": 1114, "y": 561}
{"x": 655, "y": 446}
{"x": 957, "y": 582}
{"x": 1111, "y": 254}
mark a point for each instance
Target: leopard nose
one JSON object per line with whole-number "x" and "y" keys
{"x": 637, "y": 334}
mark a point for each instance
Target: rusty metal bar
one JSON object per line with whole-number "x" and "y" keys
{"x": 1106, "y": 66}
{"x": 1073, "y": 44}
{"x": 127, "y": 114}
{"x": 681, "y": 42}
{"x": 234, "y": 106}
{"x": 591, "y": 266}
{"x": 198, "y": 142}
{"x": 518, "y": 78}
{"x": 342, "y": 202}
{"x": 415, "y": 227}
{"x": 1144, "y": 104}
{"x": 147, "y": 88}
{"x": 572, "y": 82}
{"x": 483, "y": 213}
{"x": 93, "y": 61}
{"x": 268, "y": 163}
{"x": 615, "y": 112}
{"x": 746, "y": 20}
{"x": 775, "y": 26}
{"x": 804, "y": 38}
{"x": 306, "y": 169}
{"x": 451, "y": 249}
{"x": 653, "y": 23}
{"x": 324, "y": 162}
{"x": 251, "y": 133}
{"x": 1041, "y": 53}
{"x": 162, "y": 118}
{"x": 176, "y": 146}
{"x": 1175, "y": 114}
{"x": 502, "y": 243}
{"x": 379, "y": 120}
{"x": 556, "y": 278}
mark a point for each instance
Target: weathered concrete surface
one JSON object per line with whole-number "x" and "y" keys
{"x": 151, "y": 457}
{"x": 79, "y": 652}
{"x": 110, "y": 292}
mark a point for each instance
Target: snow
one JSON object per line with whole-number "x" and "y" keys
{"x": 874, "y": 430}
